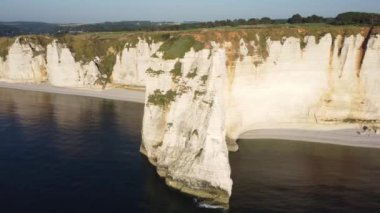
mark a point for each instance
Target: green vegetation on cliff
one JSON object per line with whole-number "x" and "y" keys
{"x": 41, "y": 41}
{"x": 178, "y": 45}
{"x": 162, "y": 99}
{"x": 38, "y": 40}
{"x": 152, "y": 72}
{"x": 5, "y": 43}
{"x": 198, "y": 94}
{"x": 192, "y": 74}
{"x": 87, "y": 47}
{"x": 276, "y": 32}
{"x": 204, "y": 79}
{"x": 176, "y": 71}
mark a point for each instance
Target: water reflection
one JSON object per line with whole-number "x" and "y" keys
{"x": 75, "y": 154}
{"x": 71, "y": 119}
{"x": 303, "y": 176}
{"x": 25, "y": 109}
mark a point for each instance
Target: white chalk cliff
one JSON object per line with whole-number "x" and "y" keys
{"x": 22, "y": 65}
{"x": 132, "y": 63}
{"x": 198, "y": 105}
{"x": 32, "y": 63}
{"x": 186, "y": 140}
{"x": 64, "y": 71}
{"x": 331, "y": 84}
{"x": 322, "y": 85}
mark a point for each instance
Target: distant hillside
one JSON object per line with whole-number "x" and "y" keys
{"x": 117, "y": 26}
{"x": 26, "y": 28}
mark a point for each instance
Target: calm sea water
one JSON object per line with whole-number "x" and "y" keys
{"x": 73, "y": 154}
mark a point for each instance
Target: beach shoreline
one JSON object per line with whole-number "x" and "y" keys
{"x": 346, "y": 137}
{"x": 119, "y": 94}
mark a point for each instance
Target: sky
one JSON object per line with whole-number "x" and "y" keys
{"x": 92, "y": 11}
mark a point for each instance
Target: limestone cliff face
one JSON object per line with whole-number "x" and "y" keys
{"x": 185, "y": 138}
{"x": 331, "y": 84}
{"x": 198, "y": 105}
{"x": 64, "y": 71}
{"x": 56, "y": 64}
{"x": 28, "y": 62}
{"x": 22, "y": 65}
{"x": 323, "y": 85}
{"x": 133, "y": 62}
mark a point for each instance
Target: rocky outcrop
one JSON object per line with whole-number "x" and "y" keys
{"x": 184, "y": 135}
{"x": 318, "y": 86}
{"x": 197, "y": 105}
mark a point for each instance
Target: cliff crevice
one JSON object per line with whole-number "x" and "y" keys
{"x": 204, "y": 89}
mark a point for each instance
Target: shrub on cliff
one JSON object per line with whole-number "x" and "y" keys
{"x": 176, "y": 71}
{"x": 162, "y": 99}
{"x": 5, "y": 43}
{"x": 177, "y": 46}
{"x": 87, "y": 47}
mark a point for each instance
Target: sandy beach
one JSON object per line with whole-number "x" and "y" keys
{"x": 112, "y": 94}
{"x": 346, "y": 137}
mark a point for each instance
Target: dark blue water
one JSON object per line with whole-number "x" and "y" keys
{"x": 273, "y": 175}
{"x": 73, "y": 154}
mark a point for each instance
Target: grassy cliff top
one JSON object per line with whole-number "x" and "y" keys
{"x": 99, "y": 43}
{"x": 106, "y": 45}
{"x": 275, "y": 31}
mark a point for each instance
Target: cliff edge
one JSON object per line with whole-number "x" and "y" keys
{"x": 205, "y": 88}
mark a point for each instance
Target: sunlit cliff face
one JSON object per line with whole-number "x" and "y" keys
{"x": 199, "y": 99}
{"x": 324, "y": 85}
{"x": 22, "y": 64}
{"x": 332, "y": 82}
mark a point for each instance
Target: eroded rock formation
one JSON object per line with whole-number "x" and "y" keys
{"x": 315, "y": 87}
{"x": 198, "y": 104}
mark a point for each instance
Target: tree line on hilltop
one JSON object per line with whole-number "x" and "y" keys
{"x": 349, "y": 18}
{"x": 24, "y": 28}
